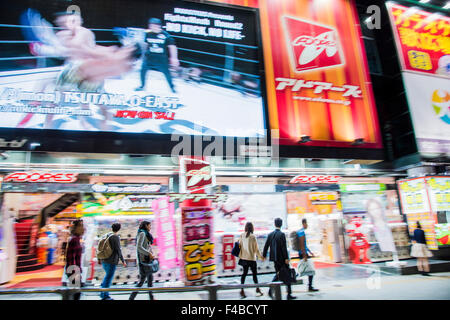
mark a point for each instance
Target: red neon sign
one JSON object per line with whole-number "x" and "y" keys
{"x": 41, "y": 177}
{"x": 315, "y": 179}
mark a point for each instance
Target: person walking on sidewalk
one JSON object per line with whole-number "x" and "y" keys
{"x": 74, "y": 252}
{"x": 420, "y": 250}
{"x": 303, "y": 254}
{"x": 109, "y": 264}
{"x": 247, "y": 256}
{"x": 276, "y": 242}
{"x": 144, "y": 254}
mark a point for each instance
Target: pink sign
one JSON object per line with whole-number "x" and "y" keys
{"x": 165, "y": 233}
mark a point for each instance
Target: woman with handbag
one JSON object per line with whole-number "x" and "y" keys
{"x": 420, "y": 250}
{"x": 147, "y": 264}
{"x": 247, "y": 256}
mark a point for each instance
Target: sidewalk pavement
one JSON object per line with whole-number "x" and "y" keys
{"x": 346, "y": 282}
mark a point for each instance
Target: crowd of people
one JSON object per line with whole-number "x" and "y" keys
{"x": 110, "y": 255}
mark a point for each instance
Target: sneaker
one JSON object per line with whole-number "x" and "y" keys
{"x": 426, "y": 274}
{"x": 313, "y": 289}
{"x": 139, "y": 89}
{"x": 291, "y": 297}
{"x": 107, "y": 298}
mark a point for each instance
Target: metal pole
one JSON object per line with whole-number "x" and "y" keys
{"x": 213, "y": 292}
{"x": 276, "y": 288}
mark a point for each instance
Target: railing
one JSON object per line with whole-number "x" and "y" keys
{"x": 67, "y": 293}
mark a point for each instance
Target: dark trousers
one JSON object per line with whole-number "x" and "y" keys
{"x": 145, "y": 274}
{"x": 278, "y": 265}
{"x": 161, "y": 65}
{"x": 254, "y": 273}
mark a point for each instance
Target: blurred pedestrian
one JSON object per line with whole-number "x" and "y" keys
{"x": 144, "y": 254}
{"x": 109, "y": 264}
{"x": 306, "y": 266}
{"x": 420, "y": 250}
{"x": 73, "y": 256}
{"x": 247, "y": 256}
{"x": 276, "y": 242}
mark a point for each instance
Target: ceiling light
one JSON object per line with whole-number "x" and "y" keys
{"x": 304, "y": 139}
{"x": 358, "y": 142}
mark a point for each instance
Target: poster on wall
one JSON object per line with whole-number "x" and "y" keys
{"x": 316, "y": 73}
{"x": 422, "y": 39}
{"x": 94, "y": 204}
{"x": 198, "y": 245}
{"x": 439, "y": 193}
{"x": 429, "y": 103}
{"x": 313, "y": 202}
{"x": 155, "y": 71}
{"x": 228, "y": 260}
{"x": 166, "y": 234}
{"x": 442, "y": 234}
{"x": 413, "y": 196}
{"x": 259, "y": 209}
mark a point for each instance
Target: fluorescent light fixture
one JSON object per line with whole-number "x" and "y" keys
{"x": 447, "y": 5}
{"x": 34, "y": 145}
{"x": 424, "y": 1}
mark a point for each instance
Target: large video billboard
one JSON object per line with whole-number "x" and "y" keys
{"x": 157, "y": 67}
{"x": 317, "y": 75}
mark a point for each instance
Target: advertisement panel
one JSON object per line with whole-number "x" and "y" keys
{"x": 442, "y": 234}
{"x": 316, "y": 73}
{"x": 166, "y": 233}
{"x": 95, "y": 204}
{"x": 422, "y": 39}
{"x": 228, "y": 260}
{"x": 172, "y": 67}
{"x": 429, "y": 103}
{"x": 439, "y": 193}
{"x": 259, "y": 209}
{"x": 198, "y": 245}
{"x": 413, "y": 196}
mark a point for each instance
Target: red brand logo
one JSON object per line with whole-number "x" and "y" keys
{"x": 315, "y": 179}
{"x": 312, "y": 45}
{"x": 198, "y": 175}
{"x": 41, "y": 177}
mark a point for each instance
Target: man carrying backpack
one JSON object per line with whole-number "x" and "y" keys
{"x": 109, "y": 254}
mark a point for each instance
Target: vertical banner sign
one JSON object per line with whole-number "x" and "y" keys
{"x": 422, "y": 40}
{"x": 317, "y": 76}
{"x": 229, "y": 261}
{"x": 198, "y": 245}
{"x": 166, "y": 233}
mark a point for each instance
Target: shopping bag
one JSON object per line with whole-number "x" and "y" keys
{"x": 306, "y": 268}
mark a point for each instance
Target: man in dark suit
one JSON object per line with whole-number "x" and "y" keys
{"x": 276, "y": 241}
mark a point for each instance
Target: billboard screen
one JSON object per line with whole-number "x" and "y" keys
{"x": 429, "y": 103}
{"x": 148, "y": 67}
{"x": 422, "y": 39}
{"x": 316, "y": 72}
